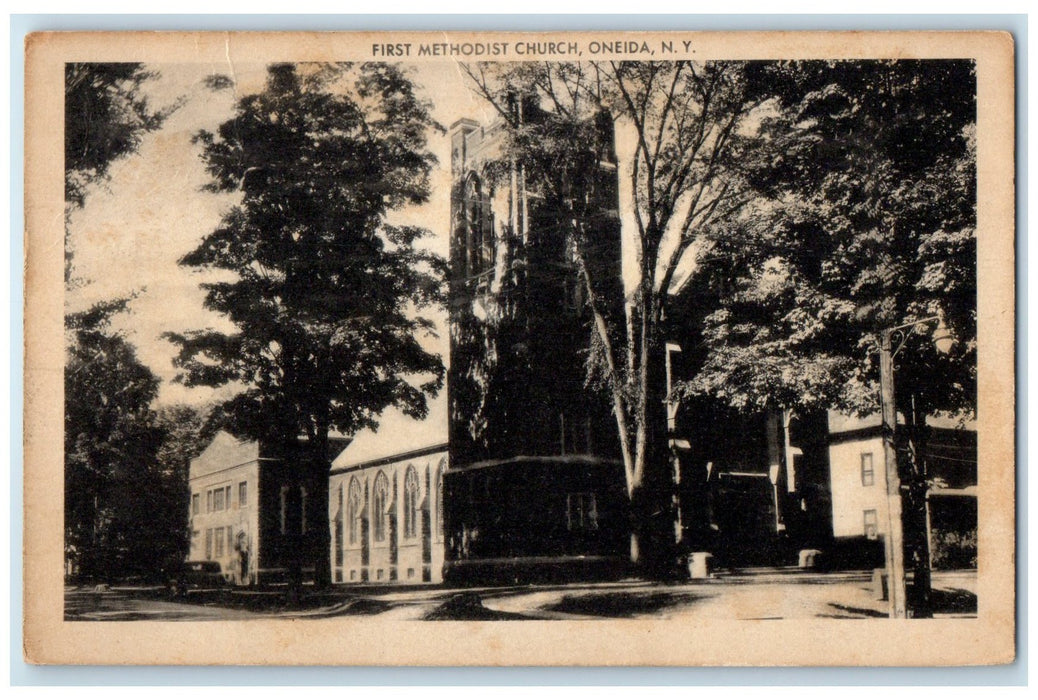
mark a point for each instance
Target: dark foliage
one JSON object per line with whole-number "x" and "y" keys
{"x": 864, "y": 219}
{"x": 112, "y": 484}
{"x": 326, "y": 296}
{"x": 121, "y": 503}
{"x": 106, "y": 115}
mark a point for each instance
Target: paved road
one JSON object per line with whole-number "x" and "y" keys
{"x": 745, "y": 595}
{"x": 124, "y": 604}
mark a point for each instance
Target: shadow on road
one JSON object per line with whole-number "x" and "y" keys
{"x": 469, "y": 606}
{"x": 853, "y": 613}
{"x": 953, "y": 600}
{"x": 621, "y": 604}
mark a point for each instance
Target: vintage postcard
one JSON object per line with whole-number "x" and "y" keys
{"x": 526, "y": 349}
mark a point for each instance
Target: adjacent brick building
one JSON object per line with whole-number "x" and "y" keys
{"x": 249, "y": 511}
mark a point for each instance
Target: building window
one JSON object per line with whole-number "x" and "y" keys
{"x": 410, "y": 503}
{"x": 474, "y": 224}
{"x": 380, "y": 504}
{"x": 243, "y": 494}
{"x": 868, "y": 476}
{"x": 209, "y": 543}
{"x": 354, "y": 511}
{"x": 218, "y": 542}
{"x": 478, "y": 226}
{"x": 871, "y": 524}
{"x": 230, "y": 540}
{"x": 439, "y": 500}
{"x": 195, "y": 500}
{"x": 338, "y": 530}
{"x": 581, "y": 512}
{"x": 219, "y": 499}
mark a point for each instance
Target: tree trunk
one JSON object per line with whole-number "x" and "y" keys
{"x": 319, "y": 466}
{"x": 917, "y": 531}
{"x": 653, "y": 550}
{"x": 321, "y": 534}
{"x": 653, "y": 543}
{"x": 293, "y": 459}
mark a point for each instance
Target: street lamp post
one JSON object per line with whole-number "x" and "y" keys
{"x": 895, "y": 539}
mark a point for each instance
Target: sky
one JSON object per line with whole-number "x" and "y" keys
{"x": 152, "y": 210}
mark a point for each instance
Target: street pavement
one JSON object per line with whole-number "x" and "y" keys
{"x": 757, "y": 594}
{"x": 141, "y": 603}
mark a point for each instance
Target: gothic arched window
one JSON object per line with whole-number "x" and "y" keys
{"x": 380, "y": 506}
{"x": 354, "y": 511}
{"x": 479, "y": 239}
{"x": 438, "y": 480}
{"x": 411, "y": 503}
{"x": 338, "y": 529}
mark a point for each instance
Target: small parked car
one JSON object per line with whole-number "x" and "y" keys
{"x": 196, "y": 575}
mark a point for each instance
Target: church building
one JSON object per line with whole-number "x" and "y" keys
{"x": 535, "y": 489}
{"x": 385, "y": 503}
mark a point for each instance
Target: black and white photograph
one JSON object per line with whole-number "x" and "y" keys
{"x": 541, "y": 333}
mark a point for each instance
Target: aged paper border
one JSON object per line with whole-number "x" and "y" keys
{"x": 988, "y": 639}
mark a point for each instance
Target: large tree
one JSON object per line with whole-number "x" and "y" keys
{"x": 865, "y": 220}
{"x": 686, "y": 126}
{"x": 326, "y": 297}
{"x": 110, "y": 446}
{"x": 110, "y": 437}
{"x": 126, "y": 465}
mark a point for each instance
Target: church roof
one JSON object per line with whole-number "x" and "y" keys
{"x": 223, "y": 452}
{"x": 397, "y": 434}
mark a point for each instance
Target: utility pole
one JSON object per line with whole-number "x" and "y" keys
{"x": 895, "y": 540}
{"x": 917, "y": 488}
